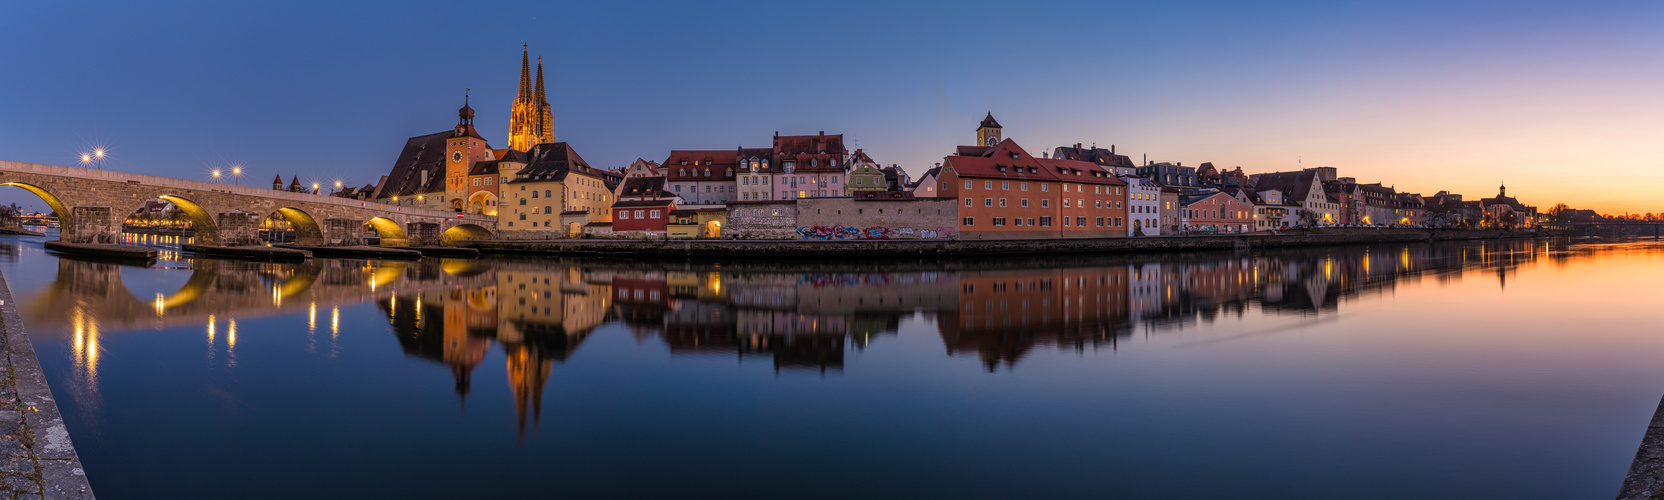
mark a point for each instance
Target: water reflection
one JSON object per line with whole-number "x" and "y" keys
{"x": 795, "y": 316}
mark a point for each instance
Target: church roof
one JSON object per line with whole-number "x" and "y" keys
{"x": 424, "y": 153}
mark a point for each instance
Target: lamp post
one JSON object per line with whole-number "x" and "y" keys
{"x": 237, "y": 175}
{"x": 216, "y": 175}
{"x": 98, "y": 156}
{"x": 337, "y": 187}
{"x": 314, "y": 188}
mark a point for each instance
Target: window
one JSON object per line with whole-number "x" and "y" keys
{"x": 522, "y": 201}
{"x": 987, "y": 202}
{"x": 522, "y": 216}
{"x": 970, "y": 221}
{"x": 1065, "y": 202}
{"x": 1065, "y": 222}
{"x": 546, "y": 210}
{"x": 1024, "y": 202}
{"x": 987, "y": 184}
{"x": 1044, "y": 186}
{"x": 1045, "y": 203}
{"x": 967, "y": 184}
{"x": 545, "y": 193}
{"x": 1002, "y": 202}
{"x": 1097, "y": 204}
{"x": 1100, "y": 222}
{"x": 1019, "y": 221}
{"x": 623, "y": 214}
{"x": 1045, "y": 222}
{"x": 967, "y": 202}
{"x": 534, "y": 194}
{"x": 999, "y": 221}
{"x": 1022, "y": 186}
{"x": 1005, "y": 186}
{"x": 1080, "y": 221}
{"x": 1031, "y": 221}
{"x": 638, "y": 214}
{"x": 655, "y": 214}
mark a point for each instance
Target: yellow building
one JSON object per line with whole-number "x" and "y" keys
{"x": 700, "y": 223}
{"x": 557, "y": 192}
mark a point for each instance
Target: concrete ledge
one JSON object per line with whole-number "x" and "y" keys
{"x": 256, "y": 252}
{"x": 103, "y": 250}
{"x": 360, "y": 252}
{"x": 62, "y": 476}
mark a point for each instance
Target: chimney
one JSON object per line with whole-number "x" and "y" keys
{"x": 1044, "y": 155}
{"x": 823, "y": 132}
{"x": 1111, "y": 149}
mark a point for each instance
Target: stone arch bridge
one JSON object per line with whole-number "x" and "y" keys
{"x": 92, "y": 204}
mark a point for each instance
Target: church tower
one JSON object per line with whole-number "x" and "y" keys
{"x": 530, "y": 120}
{"x": 545, "y": 131}
{"x": 988, "y": 134}
{"x": 464, "y": 148}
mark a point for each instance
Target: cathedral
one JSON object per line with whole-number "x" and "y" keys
{"x": 530, "y": 122}
{"x": 456, "y": 169}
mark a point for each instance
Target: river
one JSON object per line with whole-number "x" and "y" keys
{"x": 1501, "y": 369}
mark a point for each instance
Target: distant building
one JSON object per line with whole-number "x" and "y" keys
{"x": 864, "y": 174}
{"x": 1170, "y": 174}
{"x": 1120, "y": 165}
{"x": 1303, "y": 188}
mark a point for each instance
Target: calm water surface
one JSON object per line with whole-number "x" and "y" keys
{"x": 1486, "y": 370}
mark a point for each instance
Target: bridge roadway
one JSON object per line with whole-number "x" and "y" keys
{"x": 93, "y": 291}
{"x": 92, "y": 204}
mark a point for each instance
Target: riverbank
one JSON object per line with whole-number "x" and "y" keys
{"x": 958, "y": 248}
{"x": 36, "y": 455}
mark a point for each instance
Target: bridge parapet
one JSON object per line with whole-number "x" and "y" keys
{"x": 92, "y": 205}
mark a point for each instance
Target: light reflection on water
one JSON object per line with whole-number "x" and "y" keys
{"x": 1293, "y": 373}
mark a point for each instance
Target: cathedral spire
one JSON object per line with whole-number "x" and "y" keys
{"x": 538, "y": 98}
{"x": 525, "y": 74}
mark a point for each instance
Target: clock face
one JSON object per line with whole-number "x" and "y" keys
{"x": 456, "y": 157}
{"x": 992, "y": 141}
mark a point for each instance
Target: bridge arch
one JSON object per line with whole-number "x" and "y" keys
{"x": 207, "y": 231}
{"x": 463, "y": 232}
{"x": 64, "y": 218}
{"x": 483, "y": 202}
{"x": 391, "y": 233}
{"x": 307, "y": 230}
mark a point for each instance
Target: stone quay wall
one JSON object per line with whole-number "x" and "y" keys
{"x": 799, "y": 248}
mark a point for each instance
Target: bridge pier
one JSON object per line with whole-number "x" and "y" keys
{"x": 92, "y": 225}
{"x": 238, "y": 228}
{"x": 343, "y": 232}
{"x": 422, "y": 234}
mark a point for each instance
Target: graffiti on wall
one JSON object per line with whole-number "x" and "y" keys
{"x": 871, "y": 233}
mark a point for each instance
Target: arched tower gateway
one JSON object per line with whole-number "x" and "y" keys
{"x": 531, "y": 122}
{"x": 463, "y": 149}
{"x": 988, "y": 134}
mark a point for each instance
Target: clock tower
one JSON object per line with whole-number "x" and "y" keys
{"x": 988, "y": 134}
{"x": 462, "y": 149}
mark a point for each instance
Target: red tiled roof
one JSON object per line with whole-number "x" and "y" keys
{"x": 690, "y": 165}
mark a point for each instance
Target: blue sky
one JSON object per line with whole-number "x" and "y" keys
{"x": 1425, "y": 96}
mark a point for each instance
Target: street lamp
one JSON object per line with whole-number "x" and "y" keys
{"x": 98, "y": 155}
{"x": 337, "y": 187}
{"x": 237, "y": 174}
{"x": 216, "y": 175}
{"x": 314, "y": 188}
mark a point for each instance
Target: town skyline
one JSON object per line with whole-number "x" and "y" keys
{"x": 1502, "y": 105}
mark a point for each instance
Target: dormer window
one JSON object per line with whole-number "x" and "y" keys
{"x": 814, "y": 162}
{"x": 684, "y": 161}
{"x": 1013, "y": 155}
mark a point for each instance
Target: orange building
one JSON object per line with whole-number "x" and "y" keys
{"x": 1007, "y": 193}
